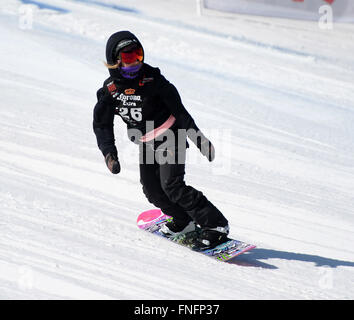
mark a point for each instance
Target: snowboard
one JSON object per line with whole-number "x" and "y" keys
{"x": 152, "y": 220}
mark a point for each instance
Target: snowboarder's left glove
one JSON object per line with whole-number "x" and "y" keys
{"x": 206, "y": 148}
{"x": 112, "y": 163}
{"x": 203, "y": 144}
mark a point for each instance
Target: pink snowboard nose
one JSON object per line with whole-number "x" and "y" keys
{"x": 150, "y": 217}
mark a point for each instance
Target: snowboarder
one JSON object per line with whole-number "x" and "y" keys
{"x": 151, "y": 107}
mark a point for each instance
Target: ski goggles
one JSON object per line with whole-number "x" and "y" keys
{"x": 132, "y": 55}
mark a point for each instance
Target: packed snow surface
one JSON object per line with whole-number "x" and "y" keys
{"x": 275, "y": 96}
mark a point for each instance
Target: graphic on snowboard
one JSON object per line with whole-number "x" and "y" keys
{"x": 152, "y": 220}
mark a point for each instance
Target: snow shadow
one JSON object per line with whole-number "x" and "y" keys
{"x": 250, "y": 259}
{"x": 43, "y": 5}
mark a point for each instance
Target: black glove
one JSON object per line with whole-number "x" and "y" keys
{"x": 112, "y": 163}
{"x": 206, "y": 148}
{"x": 203, "y": 144}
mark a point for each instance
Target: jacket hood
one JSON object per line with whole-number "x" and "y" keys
{"x": 114, "y": 40}
{"x": 112, "y": 49}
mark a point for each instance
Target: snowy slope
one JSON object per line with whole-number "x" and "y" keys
{"x": 281, "y": 121}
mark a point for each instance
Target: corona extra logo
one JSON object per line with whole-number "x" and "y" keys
{"x": 129, "y": 91}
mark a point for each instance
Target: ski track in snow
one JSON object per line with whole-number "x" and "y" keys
{"x": 283, "y": 104}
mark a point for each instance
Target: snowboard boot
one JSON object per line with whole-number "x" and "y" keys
{"x": 209, "y": 238}
{"x": 173, "y": 228}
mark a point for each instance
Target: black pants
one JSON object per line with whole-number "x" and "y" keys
{"x": 164, "y": 186}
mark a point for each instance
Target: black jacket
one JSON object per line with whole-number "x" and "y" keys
{"x": 149, "y": 97}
